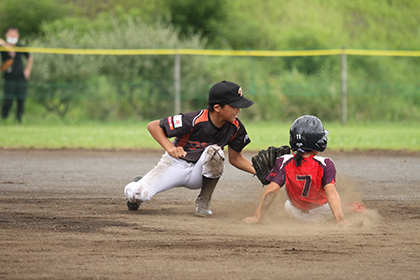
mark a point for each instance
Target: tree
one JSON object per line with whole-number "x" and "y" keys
{"x": 198, "y": 17}
{"x": 28, "y": 15}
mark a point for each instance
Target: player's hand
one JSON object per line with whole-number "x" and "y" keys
{"x": 343, "y": 223}
{"x": 177, "y": 152}
{"x": 251, "y": 220}
{"x": 27, "y": 73}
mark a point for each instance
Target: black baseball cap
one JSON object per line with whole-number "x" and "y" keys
{"x": 229, "y": 93}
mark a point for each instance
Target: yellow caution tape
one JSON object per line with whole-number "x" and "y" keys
{"x": 213, "y": 52}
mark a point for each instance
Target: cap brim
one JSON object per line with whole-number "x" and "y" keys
{"x": 241, "y": 103}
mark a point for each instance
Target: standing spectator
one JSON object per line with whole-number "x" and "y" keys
{"x": 15, "y": 74}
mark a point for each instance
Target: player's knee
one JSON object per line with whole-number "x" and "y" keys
{"x": 214, "y": 162}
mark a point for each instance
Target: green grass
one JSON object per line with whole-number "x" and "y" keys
{"x": 134, "y": 135}
{"x": 369, "y": 136}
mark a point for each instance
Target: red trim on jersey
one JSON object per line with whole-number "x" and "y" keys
{"x": 204, "y": 117}
{"x": 233, "y": 136}
{"x": 184, "y": 139}
{"x": 171, "y": 125}
{"x": 235, "y": 123}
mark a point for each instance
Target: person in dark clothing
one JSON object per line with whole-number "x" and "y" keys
{"x": 15, "y": 74}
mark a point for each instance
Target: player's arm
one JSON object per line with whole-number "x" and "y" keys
{"x": 8, "y": 47}
{"x": 268, "y": 197}
{"x": 5, "y": 44}
{"x": 239, "y": 161}
{"x": 334, "y": 201}
{"x": 28, "y": 69}
{"x": 159, "y": 135}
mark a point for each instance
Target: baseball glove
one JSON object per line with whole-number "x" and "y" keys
{"x": 6, "y": 64}
{"x": 264, "y": 161}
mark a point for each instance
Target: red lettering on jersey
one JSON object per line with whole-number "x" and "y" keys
{"x": 196, "y": 144}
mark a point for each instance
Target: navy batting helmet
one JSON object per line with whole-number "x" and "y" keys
{"x": 308, "y": 133}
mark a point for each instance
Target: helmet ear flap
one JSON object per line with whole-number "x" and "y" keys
{"x": 322, "y": 143}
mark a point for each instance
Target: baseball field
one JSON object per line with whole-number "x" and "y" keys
{"x": 102, "y": 70}
{"x": 63, "y": 216}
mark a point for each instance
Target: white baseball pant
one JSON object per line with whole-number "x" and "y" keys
{"x": 172, "y": 172}
{"x": 319, "y": 214}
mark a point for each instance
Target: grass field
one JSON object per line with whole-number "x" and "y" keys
{"x": 134, "y": 135}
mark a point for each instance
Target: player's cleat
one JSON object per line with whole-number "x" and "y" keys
{"x": 202, "y": 207}
{"x": 133, "y": 206}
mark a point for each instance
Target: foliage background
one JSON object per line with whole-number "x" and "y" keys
{"x": 105, "y": 88}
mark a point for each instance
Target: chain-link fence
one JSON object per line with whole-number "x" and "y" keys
{"x": 336, "y": 85}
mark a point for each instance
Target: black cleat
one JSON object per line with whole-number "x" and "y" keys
{"x": 133, "y": 206}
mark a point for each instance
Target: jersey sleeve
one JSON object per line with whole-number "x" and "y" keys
{"x": 240, "y": 139}
{"x": 277, "y": 174}
{"x": 177, "y": 125}
{"x": 329, "y": 172}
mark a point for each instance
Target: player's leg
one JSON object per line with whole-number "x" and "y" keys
{"x": 208, "y": 169}
{"x": 168, "y": 173}
{"x": 319, "y": 214}
{"x": 8, "y": 99}
{"x": 322, "y": 213}
{"x": 20, "y": 98}
{"x": 203, "y": 201}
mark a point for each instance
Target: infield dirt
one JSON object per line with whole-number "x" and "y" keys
{"x": 63, "y": 216}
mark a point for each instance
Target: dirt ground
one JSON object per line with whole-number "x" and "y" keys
{"x": 63, "y": 216}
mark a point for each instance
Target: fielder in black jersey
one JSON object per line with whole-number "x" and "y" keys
{"x": 195, "y": 131}
{"x": 195, "y": 158}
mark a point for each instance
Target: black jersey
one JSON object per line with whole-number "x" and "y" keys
{"x": 17, "y": 66}
{"x": 194, "y": 131}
